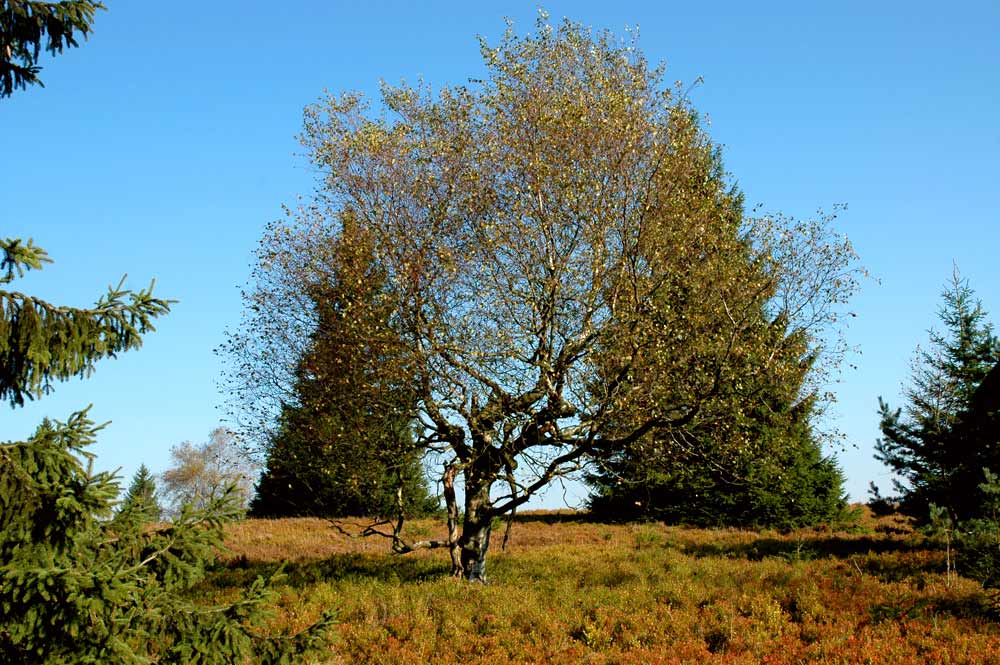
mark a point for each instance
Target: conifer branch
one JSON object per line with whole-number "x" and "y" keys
{"x": 41, "y": 343}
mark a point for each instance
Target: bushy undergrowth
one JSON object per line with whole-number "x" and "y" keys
{"x": 569, "y": 591}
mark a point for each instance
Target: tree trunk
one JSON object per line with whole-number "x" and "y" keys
{"x": 476, "y": 526}
{"x": 451, "y": 504}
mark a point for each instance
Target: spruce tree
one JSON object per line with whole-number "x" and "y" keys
{"x": 923, "y": 442}
{"x": 345, "y": 445}
{"x": 141, "y": 495}
{"x": 778, "y": 476}
{"x": 750, "y": 457}
{"x": 79, "y": 583}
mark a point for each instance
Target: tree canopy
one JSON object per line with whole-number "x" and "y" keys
{"x": 777, "y": 477}
{"x": 555, "y": 250}
{"x": 202, "y": 473}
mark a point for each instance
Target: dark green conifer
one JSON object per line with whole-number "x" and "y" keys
{"x": 345, "y": 445}
{"x": 750, "y": 457}
{"x": 41, "y": 343}
{"x": 939, "y": 460}
{"x": 780, "y": 478}
{"x": 79, "y": 584}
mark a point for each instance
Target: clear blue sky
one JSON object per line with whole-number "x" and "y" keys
{"x": 163, "y": 145}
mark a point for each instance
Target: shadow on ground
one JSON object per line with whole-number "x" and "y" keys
{"x": 811, "y": 547}
{"x": 241, "y": 572}
{"x": 889, "y": 560}
{"x": 570, "y": 517}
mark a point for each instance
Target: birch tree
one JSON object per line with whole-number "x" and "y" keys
{"x": 558, "y": 244}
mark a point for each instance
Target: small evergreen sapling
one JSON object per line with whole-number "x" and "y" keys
{"x": 141, "y": 495}
{"x": 978, "y": 539}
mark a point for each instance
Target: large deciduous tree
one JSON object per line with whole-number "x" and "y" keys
{"x": 928, "y": 443}
{"x": 555, "y": 249}
{"x": 27, "y": 28}
{"x": 201, "y": 474}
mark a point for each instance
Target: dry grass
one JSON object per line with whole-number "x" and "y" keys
{"x": 569, "y": 591}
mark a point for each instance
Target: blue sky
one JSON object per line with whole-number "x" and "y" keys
{"x": 164, "y": 145}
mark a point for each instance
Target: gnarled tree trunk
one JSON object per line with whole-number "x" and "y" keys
{"x": 451, "y": 503}
{"x": 476, "y": 526}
